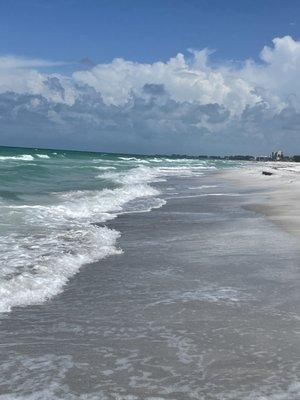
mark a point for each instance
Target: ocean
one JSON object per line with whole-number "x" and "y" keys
{"x": 140, "y": 277}
{"x": 51, "y": 202}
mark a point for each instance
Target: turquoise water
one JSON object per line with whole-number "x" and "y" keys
{"x": 51, "y": 201}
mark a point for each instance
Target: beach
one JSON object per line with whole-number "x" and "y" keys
{"x": 150, "y": 200}
{"x": 279, "y": 192}
{"x": 199, "y": 300}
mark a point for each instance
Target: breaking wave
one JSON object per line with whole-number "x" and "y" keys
{"x": 48, "y": 236}
{"x": 24, "y": 157}
{"x": 54, "y": 240}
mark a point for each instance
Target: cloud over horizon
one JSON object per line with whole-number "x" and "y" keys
{"x": 187, "y": 104}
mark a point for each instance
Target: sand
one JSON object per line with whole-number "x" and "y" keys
{"x": 276, "y": 196}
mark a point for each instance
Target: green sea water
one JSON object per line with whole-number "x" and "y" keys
{"x": 51, "y": 201}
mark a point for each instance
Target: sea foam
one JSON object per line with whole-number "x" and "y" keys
{"x": 46, "y": 243}
{"x": 42, "y": 156}
{"x": 54, "y": 240}
{"x": 47, "y": 262}
{"x": 24, "y": 157}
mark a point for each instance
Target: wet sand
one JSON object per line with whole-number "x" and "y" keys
{"x": 202, "y": 304}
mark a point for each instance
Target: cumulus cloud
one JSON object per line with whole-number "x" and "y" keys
{"x": 186, "y": 80}
{"x": 185, "y": 104}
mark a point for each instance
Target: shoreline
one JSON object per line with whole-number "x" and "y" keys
{"x": 276, "y": 196}
{"x": 194, "y": 307}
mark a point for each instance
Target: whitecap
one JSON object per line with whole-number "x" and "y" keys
{"x": 42, "y": 155}
{"x": 104, "y": 168}
{"x": 24, "y": 157}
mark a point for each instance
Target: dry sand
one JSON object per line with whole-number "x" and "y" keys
{"x": 277, "y": 196}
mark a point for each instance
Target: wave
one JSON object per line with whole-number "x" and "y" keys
{"x": 49, "y": 261}
{"x": 127, "y": 158}
{"x": 138, "y": 175}
{"x": 52, "y": 238}
{"x": 42, "y": 156}
{"x": 24, "y": 157}
{"x": 180, "y": 171}
{"x": 104, "y": 168}
{"x": 54, "y": 241}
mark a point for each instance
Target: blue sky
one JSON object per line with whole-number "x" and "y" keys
{"x": 206, "y": 76}
{"x": 143, "y": 30}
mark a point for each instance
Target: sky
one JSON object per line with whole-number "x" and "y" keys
{"x": 139, "y": 76}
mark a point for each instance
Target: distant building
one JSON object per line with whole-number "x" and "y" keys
{"x": 277, "y": 155}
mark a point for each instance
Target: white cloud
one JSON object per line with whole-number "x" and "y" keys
{"x": 278, "y": 74}
{"x": 9, "y": 62}
{"x": 231, "y": 104}
{"x": 186, "y": 80}
{"x": 23, "y": 75}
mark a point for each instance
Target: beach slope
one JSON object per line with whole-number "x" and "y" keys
{"x": 274, "y": 191}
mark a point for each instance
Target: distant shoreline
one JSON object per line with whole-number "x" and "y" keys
{"x": 232, "y": 157}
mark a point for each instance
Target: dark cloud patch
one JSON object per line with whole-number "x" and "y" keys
{"x": 154, "y": 89}
{"x": 54, "y": 85}
{"x": 145, "y": 125}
